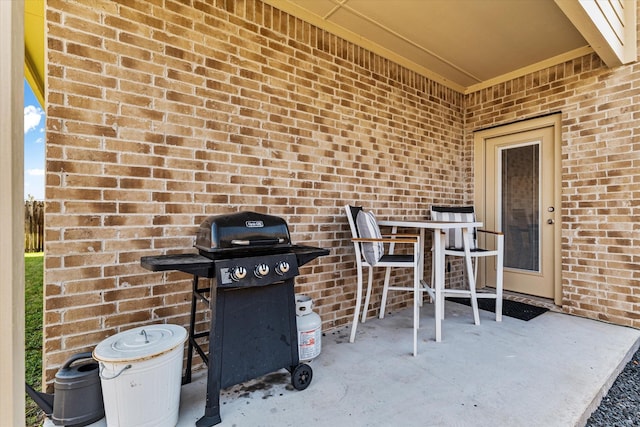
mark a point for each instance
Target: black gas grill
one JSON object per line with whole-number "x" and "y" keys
{"x": 253, "y": 322}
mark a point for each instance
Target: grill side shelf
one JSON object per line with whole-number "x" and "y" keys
{"x": 188, "y": 263}
{"x": 306, "y": 254}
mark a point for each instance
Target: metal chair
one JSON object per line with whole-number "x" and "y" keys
{"x": 368, "y": 244}
{"x": 471, "y": 252}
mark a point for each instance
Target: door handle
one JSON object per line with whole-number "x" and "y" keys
{"x": 550, "y": 221}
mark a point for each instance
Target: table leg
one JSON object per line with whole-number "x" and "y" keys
{"x": 421, "y": 266}
{"x": 438, "y": 265}
{"x": 421, "y": 253}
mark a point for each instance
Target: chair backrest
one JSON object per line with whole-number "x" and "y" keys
{"x": 352, "y": 214}
{"x": 456, "y": 214}
{"x": 363, "y": 224}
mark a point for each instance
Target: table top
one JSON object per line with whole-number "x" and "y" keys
{"x": 427, "y": 223}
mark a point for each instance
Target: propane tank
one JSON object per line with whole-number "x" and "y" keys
{"x": 309, "y": 329}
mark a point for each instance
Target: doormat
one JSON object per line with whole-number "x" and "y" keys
{"x": 515, "y": 309}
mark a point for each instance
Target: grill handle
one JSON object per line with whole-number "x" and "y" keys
{"x": 257, "y": 242}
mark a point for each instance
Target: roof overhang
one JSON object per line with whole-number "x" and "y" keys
{"x": 34, "y": 47}
{"x": 608, "y": 26}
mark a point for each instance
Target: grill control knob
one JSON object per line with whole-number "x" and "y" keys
{"x": 282, "y": 267}
{"x": 238, "y": 273}
{"x": 261, "y": 270}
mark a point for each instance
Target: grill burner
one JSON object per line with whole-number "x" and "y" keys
{"x": 253, "y": 322}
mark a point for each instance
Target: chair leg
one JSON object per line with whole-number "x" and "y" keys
{"x": 474, "y": 299}
{"x": 420, "y": 255}
{"x": 438, "y": 280}
{"x": 475, "y": 269}
{"x": 499, "y": 277}
{"x": 417, "y": 293}
{"x": 444, "y": 285}
{"x": 470, "y": 277}
{"x": 368, "y": 297}
{"x": 356, "y": 312}
{"x": 385, "y": 290}
{"x": 433, "y": 270}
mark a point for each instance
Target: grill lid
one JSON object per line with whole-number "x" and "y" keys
{"x": 242, "y": 230}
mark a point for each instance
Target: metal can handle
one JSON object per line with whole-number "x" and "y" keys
{"x": 76, "y": 357}
{"x": 116, "y": 375}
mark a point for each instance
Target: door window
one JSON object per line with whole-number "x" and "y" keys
{"x": 520, "y": 182}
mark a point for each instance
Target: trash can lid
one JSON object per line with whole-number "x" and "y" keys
{"x": 140, "y": 343}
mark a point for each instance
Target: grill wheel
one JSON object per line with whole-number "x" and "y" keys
{"x": 301, "y": 376}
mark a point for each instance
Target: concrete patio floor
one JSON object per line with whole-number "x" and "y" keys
{"x": 550, "y": 371}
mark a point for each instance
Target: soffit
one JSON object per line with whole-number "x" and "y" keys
{"x": 464, "y": 44}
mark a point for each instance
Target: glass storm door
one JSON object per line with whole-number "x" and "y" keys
{"x": 519, "y": 178}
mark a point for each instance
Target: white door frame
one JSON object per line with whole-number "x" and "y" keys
{"x": 479, "y": 147}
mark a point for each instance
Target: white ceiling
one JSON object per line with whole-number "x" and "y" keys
{"x": 466, "y": 44}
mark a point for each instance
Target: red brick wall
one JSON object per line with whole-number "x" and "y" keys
{"x": 160, "y": 114}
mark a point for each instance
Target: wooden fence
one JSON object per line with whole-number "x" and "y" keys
{"x": 33, "y": 226}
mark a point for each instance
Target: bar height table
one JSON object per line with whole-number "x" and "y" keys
{"x": 438, "y": 228}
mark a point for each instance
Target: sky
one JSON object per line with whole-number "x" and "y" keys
{"x": 34, "y": 122}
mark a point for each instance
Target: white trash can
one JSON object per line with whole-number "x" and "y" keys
{"x": 141, "y": 375}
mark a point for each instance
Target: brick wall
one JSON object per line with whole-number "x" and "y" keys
{"x": 161, "y": 114}
{"x": 600, "y": 181}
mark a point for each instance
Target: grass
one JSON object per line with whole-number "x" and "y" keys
{"x": 33, "y": 332}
